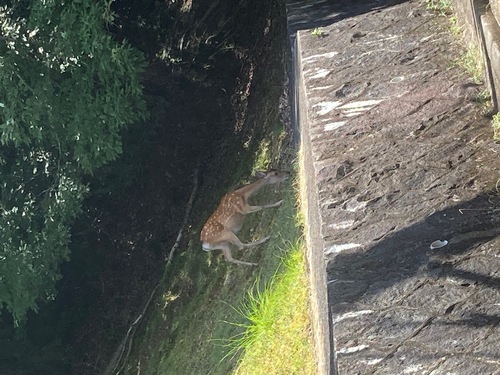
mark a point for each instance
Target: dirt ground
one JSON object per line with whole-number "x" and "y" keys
{"x": 401, "y": 155}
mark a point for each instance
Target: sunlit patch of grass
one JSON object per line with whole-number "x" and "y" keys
{"x": 277, "y": 327}
{"x": 318, "y": 32}
{"x": 471, "y": 61}
{"x": 263, "y": 157}
{"x": 484, "y": 97}
{"x": 266, "y": 156}
{"x": 455, "y": 27}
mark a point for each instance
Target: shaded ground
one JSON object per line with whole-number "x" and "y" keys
{"x": 201, "y": 118}
{"x": 402, "y": 156}
{"x": 202, "y": 86}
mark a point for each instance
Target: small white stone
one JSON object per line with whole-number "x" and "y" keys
{"x": 438, "y": 244}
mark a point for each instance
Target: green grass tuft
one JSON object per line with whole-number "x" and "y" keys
{"x": 472, "y": 62}
{"x": 443, "y": 7}
{"x": 277, "y": 331}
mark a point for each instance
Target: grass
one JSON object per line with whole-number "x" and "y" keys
{"x": 318, "y": 32}
{"x": 262, "y": 159}
{"x": 443, "y": 7}
{"x": 274, "y": 318}
{"x": 186, "y": 330}
{"x": 471, "y": 60}
{"x": 277, "y": 337}
{"x": 472, "y": 63}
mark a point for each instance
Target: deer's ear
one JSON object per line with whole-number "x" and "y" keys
{"x": 260, "y": 174}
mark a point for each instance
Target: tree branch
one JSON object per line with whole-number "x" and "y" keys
{"x": 186, "y": 217}
{"x": 120, "y": 357}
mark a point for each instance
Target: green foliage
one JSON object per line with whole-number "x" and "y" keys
{"x": 472, "y": 62}
{"x": 66, "y": 91}
{"x": 318, "y": 32}
{"x": 443, "y": 7}
{"x": 65, "y": 83}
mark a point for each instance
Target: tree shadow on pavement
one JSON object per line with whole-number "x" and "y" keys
{"x": 395, "y": 267}
{"x": 303, "y": 15}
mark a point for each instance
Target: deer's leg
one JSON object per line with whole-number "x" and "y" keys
{"x": 271, "y": 205}
{"x": 230, "y": 237}
{"x": 229, "y": 257}
{"x": 235, "y": 240}
{"x": 249, "y": 209}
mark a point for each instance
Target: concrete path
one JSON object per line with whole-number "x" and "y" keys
{"x": 399, "y": 155}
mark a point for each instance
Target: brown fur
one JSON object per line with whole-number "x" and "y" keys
{"x": 219, "y": 232}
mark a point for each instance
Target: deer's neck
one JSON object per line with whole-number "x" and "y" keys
{"x": 252, "y": 188}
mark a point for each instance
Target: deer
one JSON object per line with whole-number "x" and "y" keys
{"x": 219, "y": 232}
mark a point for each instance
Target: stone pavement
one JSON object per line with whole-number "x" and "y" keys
{"x": 398, "y": 154}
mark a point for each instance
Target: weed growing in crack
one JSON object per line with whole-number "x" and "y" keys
{"x": 318, "y": 32}
{"x": 471, "y": 61}
{"x": 443, "y": 7}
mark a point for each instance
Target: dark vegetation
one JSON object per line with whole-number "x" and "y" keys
{"x": 199, "y": 86}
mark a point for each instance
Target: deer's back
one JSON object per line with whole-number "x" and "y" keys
{"x": 226, "y": 216}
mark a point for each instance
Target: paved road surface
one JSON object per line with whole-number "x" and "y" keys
{"x": 399, "y": 155}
